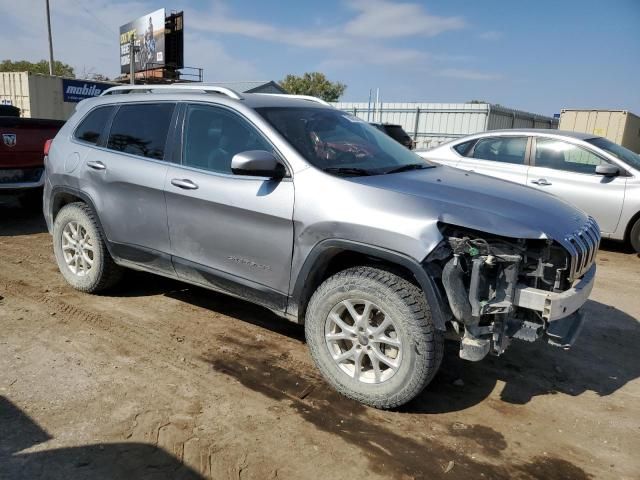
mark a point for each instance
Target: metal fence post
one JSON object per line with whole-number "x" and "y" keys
{"x": 416, "y": 125}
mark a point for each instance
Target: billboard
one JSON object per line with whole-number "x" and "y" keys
{"x": 148, "y": 33}
{"x": 76, "y": 90}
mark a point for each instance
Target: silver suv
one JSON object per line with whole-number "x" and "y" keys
{"x": 289, "y": 203}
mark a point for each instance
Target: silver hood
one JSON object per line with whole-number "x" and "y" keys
{"x": 483, "y": 203}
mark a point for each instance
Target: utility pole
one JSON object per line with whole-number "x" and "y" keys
{"x": 50, "y": 41}
{"x": 132, "y": 59}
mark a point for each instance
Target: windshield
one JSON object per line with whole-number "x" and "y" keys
{"x": 624, "y": 154}
{"x": 339, "y": 143}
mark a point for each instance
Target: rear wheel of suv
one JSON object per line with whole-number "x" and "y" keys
{"x": 371, "y": 335}
{"x": 634, "y": 236}
{"x": 80, "y": 250}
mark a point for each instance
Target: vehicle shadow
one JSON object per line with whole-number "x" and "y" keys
{"x": 603, "y": 360}
{"x": 608, "y": 245}
{"x": 237, "y": 309}
{"x": 99, "y": 461}
{"x": 18, "y": 220}
{"x": 142, "y": 284}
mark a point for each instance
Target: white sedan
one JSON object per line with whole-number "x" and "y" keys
{"x": 598, "y": 176}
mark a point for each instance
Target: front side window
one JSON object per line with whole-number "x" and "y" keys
{"x": 93, "y": 125}
{"x": 339, "y": 143}
{"x": 501, "y": 149}
{"x": 618, "y": 151}
{"x": 212, "y": 136}
{"x": 561, "y": 155}
{"x": 141, "y": 129}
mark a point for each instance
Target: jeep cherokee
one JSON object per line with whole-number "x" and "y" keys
{"x": 294, "y": 205}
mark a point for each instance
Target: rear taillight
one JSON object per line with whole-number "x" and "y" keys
{"x": 47, "y": 146}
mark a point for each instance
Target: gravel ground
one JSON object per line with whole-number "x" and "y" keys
{"x": 158, "y": 379}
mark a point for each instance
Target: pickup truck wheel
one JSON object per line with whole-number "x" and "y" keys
{"x": 634, "y": 236}
{"x": 80, "y": 250}
{"x": 371, "y": 335}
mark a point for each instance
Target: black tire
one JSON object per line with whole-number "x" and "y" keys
{"x": 405, "y": 303}
{"x": 103, "y": 273}
{"x": 634, "y": 236}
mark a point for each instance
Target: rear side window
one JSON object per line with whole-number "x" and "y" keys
{"x": 501, "y": 149}
{"x": 93, "y": 125}
{"x": 141, "y": 129}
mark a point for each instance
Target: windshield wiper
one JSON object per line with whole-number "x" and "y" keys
{"x": 411, "y": 166}
{"x": 348, "y": 171}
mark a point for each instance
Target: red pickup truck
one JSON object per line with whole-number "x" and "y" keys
{"x": 22, "y": 143}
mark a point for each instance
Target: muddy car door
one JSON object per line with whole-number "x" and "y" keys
{"x": 230, "y": 232}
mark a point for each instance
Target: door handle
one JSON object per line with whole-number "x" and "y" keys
{"x": 184, "y": 183}
{"x": 543, "y": 182}
{"x": 96, "y": 165}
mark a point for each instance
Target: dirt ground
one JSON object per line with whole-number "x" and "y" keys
{"x": 158, "y": 379}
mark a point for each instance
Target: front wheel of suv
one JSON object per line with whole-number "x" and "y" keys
{"x": 80, "y": 250}
{"x": 371, "y": 335}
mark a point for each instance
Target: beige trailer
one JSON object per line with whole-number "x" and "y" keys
{"x": 46, "y": 96}
{"x": 619, "y": 126}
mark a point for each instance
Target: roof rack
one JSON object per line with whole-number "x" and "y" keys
{"x": 301, "y": 97}
{"x": 122, "y": 89}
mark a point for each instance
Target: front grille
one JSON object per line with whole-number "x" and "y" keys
{"x": 583, "y": 245}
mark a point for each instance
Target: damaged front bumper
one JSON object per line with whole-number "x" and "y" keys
{"x": 554, "y": 306}
{"x": 492, "y": 304}
{"x": 559, "y": 310}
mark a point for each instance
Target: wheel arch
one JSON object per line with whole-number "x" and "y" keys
{"x": 331, "y": 256}
{"x": 61, "y": 196}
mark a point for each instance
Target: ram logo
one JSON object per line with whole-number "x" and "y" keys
{"x": 9, "y": 139}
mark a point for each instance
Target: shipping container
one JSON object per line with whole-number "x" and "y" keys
{"x": 45, "y": 96}
{"x": 430, "y": 124}
{"x": 619, "y": 126}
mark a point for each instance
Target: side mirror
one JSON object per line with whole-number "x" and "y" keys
{"x": 607, "y": 170}
{"x": 257, "y": 163}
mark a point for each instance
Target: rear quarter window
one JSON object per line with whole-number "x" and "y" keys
{"x": 93, "y": 125}
{"x": 463, "y": 148}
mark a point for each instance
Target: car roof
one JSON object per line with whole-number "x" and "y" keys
{"x": 539, "y": 131}
{"x": 251, "y": 100}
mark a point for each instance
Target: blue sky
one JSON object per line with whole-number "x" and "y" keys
{"x": 538, "y": 56}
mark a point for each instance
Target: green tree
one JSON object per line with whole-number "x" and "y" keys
{"x": 59, "y": 68}
{"x": 315, "y": 84}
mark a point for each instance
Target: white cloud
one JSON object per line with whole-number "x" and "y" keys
{"x": 386, "y": 19}
{"x": 467, "y": 74}
{"x": 376, "y": 20}
{"x": 218, "y": 64}
{"x": 490, "y": 35}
